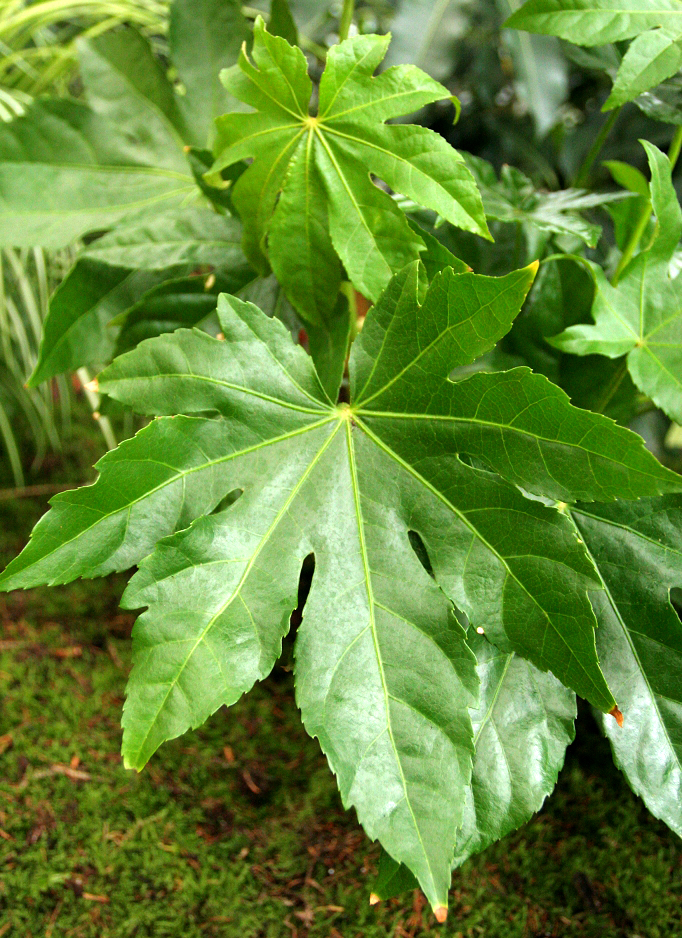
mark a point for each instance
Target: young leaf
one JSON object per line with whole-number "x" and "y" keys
{"x": 652, "y": 57}
{"x": 642, "y": 317}
{"x": 384, "y": 675}
{"x": 65, "y": 171}
{"x": 205, "y": 36}
{"x": 308, "y": 197}
{"x": 522, "y": 726}
{"x": 637, "y": 548}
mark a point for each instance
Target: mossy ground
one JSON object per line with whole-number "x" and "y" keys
{"x": 237, "y": 829}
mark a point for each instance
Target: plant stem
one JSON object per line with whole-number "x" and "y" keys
{"x": 583, "y": 175}
{"x": 346, "y": 19}
{"x": 645, "y": 214}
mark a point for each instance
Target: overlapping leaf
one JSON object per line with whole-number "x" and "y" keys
{"x": 642, "y": 317}
{"x": 637, "y": 548}
{"x": 62, "y": 173}
{"x": 656, "y": 27}
{"x": 115, "y": 274}
{"x": 385, "y": 678}
{"x": 307, "y": 201}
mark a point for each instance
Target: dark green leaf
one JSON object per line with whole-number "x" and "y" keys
{"x": 522, "y": 727}
{"x": 78, "y": 330}
{"x": 281, "y": 22}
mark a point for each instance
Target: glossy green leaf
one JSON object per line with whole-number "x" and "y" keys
{"x": 654, "y": 55}
{"x": 205, "y": 36}
{"x": 308, "y": 192}
{"x": 522, "y": 726}
{"x": 193, "y": 236}
{"x": 642, "y": 317}
{"x": 637, "y": 548}
{"x": 385, "y": 678}
{"x": 65, "y": 171}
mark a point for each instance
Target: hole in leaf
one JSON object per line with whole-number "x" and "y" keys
{"x": 419, "y": 547}
{"x": 228, "y": 501}
{"x": 304, "y": 583}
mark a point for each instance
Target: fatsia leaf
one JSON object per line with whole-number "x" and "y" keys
{"x": 64, "y": 171}
{"x": 385, "y": 678}
{"x": 205, "y": 36}
{"x": 522, "y": 726}
{"x": 637, "y": 548}
{"x": 642, "y": 317}
{"x": 307, "y": 200}
{"x": 653, "y": 56}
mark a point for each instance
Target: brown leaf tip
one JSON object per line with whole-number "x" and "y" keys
{"x": 374, "y": 899}
{"x": 441, "y": 913}
{"x": 617, "y": 716}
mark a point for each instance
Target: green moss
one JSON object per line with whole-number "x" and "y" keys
{"x": 251, "y": 840}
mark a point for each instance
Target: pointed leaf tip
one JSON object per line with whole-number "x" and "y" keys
{"x": 441, "y": 913}
{"x": 617, "y": 715}
{"x": 374, "y": 899}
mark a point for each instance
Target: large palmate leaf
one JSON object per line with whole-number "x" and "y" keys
{"x": 642, "y": 317}
{"x": 637, "y": 548}
{"x": 385, "y": 678}
{"x": 655, "y": 54}
{"x": 307, "y": 201}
